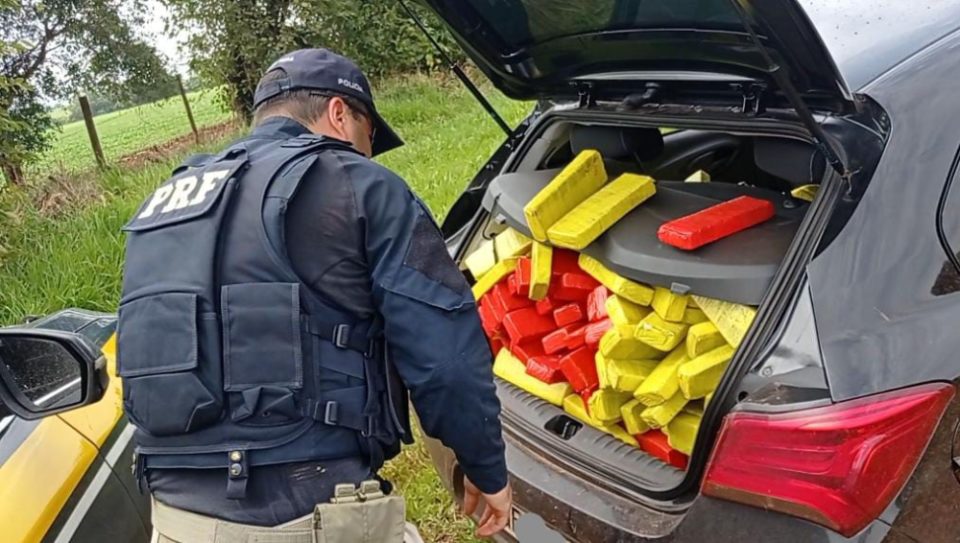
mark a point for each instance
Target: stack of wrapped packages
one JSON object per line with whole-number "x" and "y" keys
{"x": 636, "y": 361}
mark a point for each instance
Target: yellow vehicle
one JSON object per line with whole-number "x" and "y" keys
{"x": 66, "y": 448}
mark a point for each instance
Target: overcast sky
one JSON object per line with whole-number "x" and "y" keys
{"x": 166, "y": 43}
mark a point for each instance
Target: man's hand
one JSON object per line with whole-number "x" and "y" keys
{"x": 496, "y": 510}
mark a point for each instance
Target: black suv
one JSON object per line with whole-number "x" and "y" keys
{"x": 837, "y": 418}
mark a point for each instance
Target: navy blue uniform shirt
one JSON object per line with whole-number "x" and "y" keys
{"x": 357, "y": 235}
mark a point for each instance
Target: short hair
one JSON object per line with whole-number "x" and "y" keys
{"x": 305, "y": 106}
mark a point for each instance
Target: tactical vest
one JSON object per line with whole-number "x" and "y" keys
{"x": 228, "y": 360}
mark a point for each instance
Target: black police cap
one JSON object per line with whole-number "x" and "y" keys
{"x": 321, "y": 69}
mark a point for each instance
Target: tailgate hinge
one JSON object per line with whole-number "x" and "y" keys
{"x": 585, "y": 95}
{"x": 751, "y": 95}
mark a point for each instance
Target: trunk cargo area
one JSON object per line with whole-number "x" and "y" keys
{"x": 616, "y": 271}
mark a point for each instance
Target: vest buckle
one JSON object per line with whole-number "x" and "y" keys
{"x": 341, "y": 336}
{"x": 330, "y": 413}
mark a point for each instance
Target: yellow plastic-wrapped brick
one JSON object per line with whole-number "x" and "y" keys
{"x": 621, "y": 311}
{"x": 707, "y": 399}
{"x": 604, "y": 404}
{"x": 511, "y": 244}
{"x": 660, "y": 334}
{"x": 618, "y": 432}
{"x": 573, "y": 405}
{"x": 662, "y": 383}
{"x": 682, "y": 432}
{"x": 623, "y": 375}
{"x": 618, "y": 342}
{"x": 578, "y": 180}
{"x": 541, "y": 263}
{"x": 481, "y": 260}
{"x": 805, "y": 192}
{"x": 733, "y": 320}
{"x": 694, "y": 407}
{"x": 698, "y": 176}
{"x": 492, "y": 277}
{"x": 669, "y": 305}
{"x": 631, "y": 413}
{"x": 693, "y": 315}
{"x": 637, "y": 293}
{"x": 509, "y": 368}
{"x": 600, "y": 211}
{"x": 700, "y": 376}
{"x": 703, "y": 337}
{"x": 660, "y": 415}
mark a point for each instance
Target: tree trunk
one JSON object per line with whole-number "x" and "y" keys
{"x": 13, "y": 173}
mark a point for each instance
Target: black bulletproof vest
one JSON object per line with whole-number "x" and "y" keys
{"x": 228, "y": 360}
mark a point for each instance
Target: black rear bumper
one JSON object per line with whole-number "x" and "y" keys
{"x": 585, "y": 512}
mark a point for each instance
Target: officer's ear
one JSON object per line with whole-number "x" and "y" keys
{"x": 337, "y": 111}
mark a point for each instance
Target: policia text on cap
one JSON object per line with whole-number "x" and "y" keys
{"x": 281, "y": 300}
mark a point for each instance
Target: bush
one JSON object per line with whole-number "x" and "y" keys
{"x": 238, "y": 39}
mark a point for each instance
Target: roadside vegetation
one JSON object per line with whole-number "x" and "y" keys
{"x": 61, "y": 245}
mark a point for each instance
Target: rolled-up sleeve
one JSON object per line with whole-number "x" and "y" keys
{"x": 431, "y": 326}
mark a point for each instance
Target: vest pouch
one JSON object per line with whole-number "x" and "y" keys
{"x": 170, "y": 364}
{"x": 263, "y": 355}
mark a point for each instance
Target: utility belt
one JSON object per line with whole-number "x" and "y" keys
{"x": 361, "y": 514}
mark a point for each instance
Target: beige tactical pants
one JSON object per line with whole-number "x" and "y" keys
{"x": 374, "y": 521}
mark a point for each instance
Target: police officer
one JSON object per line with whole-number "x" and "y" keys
{"x": 280, "y": 301}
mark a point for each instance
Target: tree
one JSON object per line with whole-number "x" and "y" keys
{"x": 53, "y": 47}
{"x": 236, "y": 40}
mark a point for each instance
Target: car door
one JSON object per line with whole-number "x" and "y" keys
{"x": 67, "y": 477}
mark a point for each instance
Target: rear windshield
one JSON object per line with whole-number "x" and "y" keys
{"x": 520, "y": 23}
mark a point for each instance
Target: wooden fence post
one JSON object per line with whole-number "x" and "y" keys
{"x": 186, "y": 105}
{"x": 92, "y": 131}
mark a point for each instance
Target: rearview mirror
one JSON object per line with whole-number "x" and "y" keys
{"x": 44, "y": 372}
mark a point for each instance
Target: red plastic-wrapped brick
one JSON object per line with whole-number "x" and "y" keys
{"x": 546, "y": 369}
{"x": 568, "y": 314}
{"x": 521, "y": 277}
{"x": 655, "y": 443}
{"x": 572, "y": 287}
{"x": 567, "y": 338}
{"x": 526, "y": 350}
{"x": 580, "y": 369}
{"x": 496, "y": 307}
{"x": 565, "y": 261}
{"x": 593, "y": 332}
{"x": 495, "y": 345}
{"x": 597, "y": 303}
{"x": 488, "y": 320}
{"x": 526, "y": 323}
{"x": 715, "y": 222}
{"x": 545, "y": 306}
{"x": 512, "y": 283}
{"x": 508, "y": 300}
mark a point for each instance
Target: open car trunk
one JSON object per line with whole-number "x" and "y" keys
{"x": 693, "y": 170}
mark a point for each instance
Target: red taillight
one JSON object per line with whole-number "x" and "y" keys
{"x": 838, "y": 465}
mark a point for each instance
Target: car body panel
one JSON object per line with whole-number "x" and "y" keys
{"x": 97, "y": 420}
{"x": 881, "y": 320}
{"x": 867, "y": 39}
{"x": 928, "y": 508}
{"x": 39, "y": 477}
{"x": 67, "y": 478}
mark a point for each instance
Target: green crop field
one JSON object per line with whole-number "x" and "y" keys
{"x": 73, "y": 258}
{"x": 129, "y": 130}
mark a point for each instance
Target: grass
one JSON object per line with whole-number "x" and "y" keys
{"x": 73, "y": 257}
{"x": 125, "y": 131}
